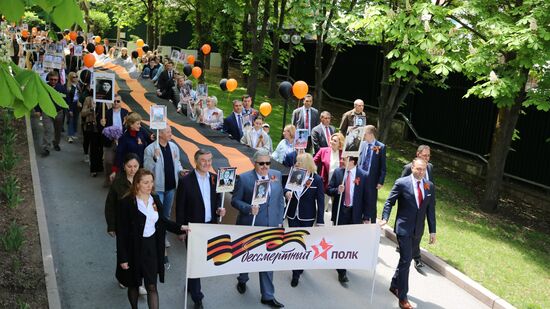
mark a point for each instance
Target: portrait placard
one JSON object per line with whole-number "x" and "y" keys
{"x": 226, "y": 179}
{"x": 104, "y": 84}
{"x": 259, "y": 196}
{"x": 157, "y": 117}
{"x": 175, "y": 55}
{"x": 360, "y": 121}
{"x": 300, "y": 139}
{"x": 78, "y": 50}
{"x": 353, "y": 142}
{"x": 296, "y": 178}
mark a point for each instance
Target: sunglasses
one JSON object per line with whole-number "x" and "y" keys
{"x": 264, "y": 163}
{"x": 117, "y": 101}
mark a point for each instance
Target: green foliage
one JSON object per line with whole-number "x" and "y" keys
{"x": 119, "y": 11}
{"x": 31, "y": 19}
{"x": 8, "y": 158}
{"x": 13, "y": 239}
{"x": 21, "y": 304}
{"x": 10, "y": 190}
{"x": 100, "y": 22}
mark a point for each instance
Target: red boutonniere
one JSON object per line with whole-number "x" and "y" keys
{"x": 155, "y": 207}
{"x": 273, "y": 178}
{"x": 212, "y": 179}
{"x": 376, "y": 149}
{"x": 426, "y": 186}
{"x": 308, "y": 183}
{"x": 357, "y": 181}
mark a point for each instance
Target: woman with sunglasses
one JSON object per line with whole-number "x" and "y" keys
{"x": 73, "y": 93}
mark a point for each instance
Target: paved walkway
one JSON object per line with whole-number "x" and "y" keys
{"x": 84, "y": 257}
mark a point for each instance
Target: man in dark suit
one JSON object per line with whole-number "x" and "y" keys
{"x": 198, "y": 202}
{"x": 267, "y": 214}
{"x": 348, "y": 189}
{"x": 416, "y": 200}
{"x": 233, "y": 124}
{"x": 248, "y": 109}
{"x": 320, "y": 134}
{"x": 165, "y": 82}
{"x": 306, "y": 117}
{"x": 423, "y": 152}
{"x": 372, "y": 160}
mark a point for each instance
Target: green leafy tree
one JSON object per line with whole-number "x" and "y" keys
{"x": 419, "y": 44}
{"x": 100, "y": 22}
{"x": 22, "y": 89}
{"x": 508, "y": 59}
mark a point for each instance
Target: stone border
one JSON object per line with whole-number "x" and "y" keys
{"x": 475, "y": 289}
{"x": 54, "y": 302}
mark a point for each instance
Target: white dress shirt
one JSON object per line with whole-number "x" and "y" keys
{"x": 117, "y": 120}
{"x": 352, "y": 180}
{"x": 204, "y": 185}
{"x": 152, "y": 216}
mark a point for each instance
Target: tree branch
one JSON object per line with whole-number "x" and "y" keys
{"x": 330, "y": 64}
{"x": 465, "y": 25}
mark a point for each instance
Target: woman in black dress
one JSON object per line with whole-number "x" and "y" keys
{"x": 141, "y": 231}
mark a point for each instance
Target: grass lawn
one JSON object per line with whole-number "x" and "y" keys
{"x": 509, "y": 259}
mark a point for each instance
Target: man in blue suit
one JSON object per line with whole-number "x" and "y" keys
{"x": 423, "y": 152}
{"x": 233, "y": 124}
{"x": 350, "y": 195}
{"x": 267, "y": 214}
{"x": 416, "y": 200}
{"x": 372, "y": 160}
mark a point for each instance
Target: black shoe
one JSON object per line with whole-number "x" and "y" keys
{"x": 241, "y": 287}
{"x": 418, "y": 263}
{"x": 93, "y": 174}
{"x": 272, "y": 303}
{"x": 56, "y": 147}
{"x": 343, "y": 278}
{"x": 45, "y": 153}
{"x": 198, "y": 305}
{"x": 294, "y": 282}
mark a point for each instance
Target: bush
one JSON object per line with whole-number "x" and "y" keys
{"x": 100, "y": 22}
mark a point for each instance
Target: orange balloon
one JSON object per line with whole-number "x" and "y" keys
{"x": 191, "y": 59}
{"x": 140, "y": 43}
{"x": 72, "y": 35}
{"x": 196, "y": 72}
{"x": 99, "y": 49}
{"x": 25, "y": 34}
{"x": 299, "y": 89}
{"x": 97, "y": 39}
{"x": 265, "y": 109}
{"x": 231, "y": 84}
{"x": 140, "y": 51}
{"x": 206, "y": 49}
{"x": 89, "y": 60}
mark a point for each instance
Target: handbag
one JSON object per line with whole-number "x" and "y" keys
{"x": 90, "y": 127}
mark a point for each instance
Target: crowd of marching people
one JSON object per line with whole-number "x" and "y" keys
{"x": 146, "y": 179}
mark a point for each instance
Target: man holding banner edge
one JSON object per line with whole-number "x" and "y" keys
{"x": 267, "y": 214}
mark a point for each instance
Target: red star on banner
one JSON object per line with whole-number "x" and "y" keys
{"x": 321, "y": 250}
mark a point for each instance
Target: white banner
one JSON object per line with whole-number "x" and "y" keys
{"x": 216, "y": 250}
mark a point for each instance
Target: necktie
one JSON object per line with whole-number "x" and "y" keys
{"x": 240, "y": 123}
{"x": 366, "y": 163}
{"x": 419, "y": 191}
{"x": 347, "y": 191}
{"x": 170, "y": 74}
{"x": 307, "y": 119}
{"x": 327, "y": 132}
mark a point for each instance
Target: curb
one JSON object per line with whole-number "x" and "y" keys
{"x": 466, "y": 283}
{"x": 54, "y": 302}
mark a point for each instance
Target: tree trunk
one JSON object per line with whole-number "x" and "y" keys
{"x": 502, "y": 139}
{"x": 274, "y": 69}
{"x": 246, "y": 38}
{"x": 257, "y": 42}
{"x": 318, "y": 65}
{"x": 150, "y": 10}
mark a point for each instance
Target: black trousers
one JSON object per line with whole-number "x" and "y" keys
{"x": 344, "y": 219}
{"x": 299, "y": 223}
{"x": 96, "y": 152}
{"x": 400, "y": 278}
